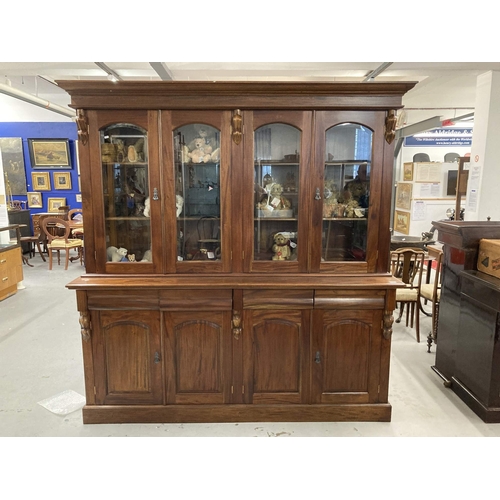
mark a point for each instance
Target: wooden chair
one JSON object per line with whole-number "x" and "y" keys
{"x": 58, "y": 232}
{"x": 407, "y": 264}
{"x": 432, "y": 292}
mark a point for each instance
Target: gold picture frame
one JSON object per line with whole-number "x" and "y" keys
{"x": 34, "y": 200}
{"x": 403, "y": 195}
{"x": 62, "y": 180}
{"x": 55, "y": 203}
{"x": 41, "y": 181}
{"x": 408, "y": 171}
{"x": 402, "y": 222}
{"x": 49, "y": 153}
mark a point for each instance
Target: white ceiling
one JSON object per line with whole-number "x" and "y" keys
{"x": 445, "y": 89}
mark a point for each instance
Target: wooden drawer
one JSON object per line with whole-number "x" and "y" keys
{"x": 11, "y": 270}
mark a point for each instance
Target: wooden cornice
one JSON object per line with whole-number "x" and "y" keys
{"x": 86, "y": 94}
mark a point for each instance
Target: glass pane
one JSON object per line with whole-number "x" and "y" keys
{"x": 126, "y": 193}
{"x": 197, "y": 170}
{"x": 346, "y": 196}
{"x": 276, "y": 180}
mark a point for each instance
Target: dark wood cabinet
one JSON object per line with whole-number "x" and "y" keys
{"x": 237, "y": 240}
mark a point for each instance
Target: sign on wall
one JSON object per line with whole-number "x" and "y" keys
{"x": 441, "y": 137}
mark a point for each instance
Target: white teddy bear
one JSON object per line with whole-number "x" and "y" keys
{"x": 116, "y": 254}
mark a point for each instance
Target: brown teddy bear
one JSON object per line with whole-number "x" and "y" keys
{"x": 200, "y": 153}
{"x": 281, "y": 247}
{"x": 278, "y": 201}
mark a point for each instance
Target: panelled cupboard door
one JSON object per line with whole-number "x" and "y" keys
{"x": 198, "y": 357}
{"x": 196, "y": 181}
{"x": 125, "y": 209}
{"x": 346, "y": 348}
{"x": 276, "y": 356}
{"x": 127, "y": 349}
{"x": 348, "y": 181}
{"x": 276, "y": 212}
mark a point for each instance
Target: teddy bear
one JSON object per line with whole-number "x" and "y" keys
{"x": 147, "y": 257}
{"x": 147, "y": 207}
{"x": 281, "y": 247}
{"x": 179, "y": 204}
{"x": 276, "y": 200}
{"x": 116, "y": 254}
{"x": 204, "y": 132}
{"x": 199, "y": 154}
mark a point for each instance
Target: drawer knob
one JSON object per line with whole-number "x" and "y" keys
{"x": 5, "y": 279}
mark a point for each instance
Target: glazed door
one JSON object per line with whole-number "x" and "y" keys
{"x": 125, "y": 211}
{"x": 276, "y": 212}
{"x": 349, "y": 184}
{"x": 275, "y": 346}
{"x": 346, "y": 349}
{"x": 197, "y": 176}
{"x": 128, "y": 359}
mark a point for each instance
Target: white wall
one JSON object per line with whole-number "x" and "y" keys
{"x": 15, "y": 110}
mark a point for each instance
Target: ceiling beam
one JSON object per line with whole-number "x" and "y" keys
{"x": 162, "y": 70}
{"x": 113, "y": 75}
{"x": 372, "y": 74}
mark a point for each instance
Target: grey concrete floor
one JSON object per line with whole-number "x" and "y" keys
{"x": 40, "y": 356}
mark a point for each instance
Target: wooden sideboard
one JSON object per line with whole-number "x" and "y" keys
{"x": 11, "y": 263}
{"x": 230, "y": 273}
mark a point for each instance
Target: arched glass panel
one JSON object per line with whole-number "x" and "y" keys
{"x": 276, "y": 186}
{"x": 197, "y": 189}
{"x": 346, "y": 196}
{"x": 124, "y": 157}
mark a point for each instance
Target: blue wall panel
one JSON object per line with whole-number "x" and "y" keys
{"x": 46, "y": 130}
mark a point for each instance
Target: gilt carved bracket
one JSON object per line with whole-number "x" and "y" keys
{"x": 83, "y": 126}
{"x": 390, "y": 126}
{"x": 237, "y": 126}
{"x": 85, "y": 326}
{"x": 387, "y": 324}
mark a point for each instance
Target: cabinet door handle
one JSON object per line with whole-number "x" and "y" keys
{"x": 318, "y": 194}
{"x": 5, "y": 279}
{"x": 317, "y": 358}
{"x": 155, "y": 194}
{"x": 157, "y": 357}
{"x": 3, "y": 260}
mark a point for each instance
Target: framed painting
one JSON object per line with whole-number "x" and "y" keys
{"x": 13, "y": 164}
{"x": 55, "y": 203}
{"x": 408, "y": 171}
{"x": 35, "y": 200}
{"x": 62, "y": 180}
{"x": 403, "y": 195}
{"x": 49, "y": 153}
{"x": 402, "y": 222}
{"x": 40, "y": 181}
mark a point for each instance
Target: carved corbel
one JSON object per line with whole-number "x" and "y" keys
{"x": 390, "y": 126}
{"x": 387, "y": 324}
{"x": 236, "y": 324}
{"x": 85, "y": 325}
{"x": 237, "y": 126}
{"x": 83, "y": 126}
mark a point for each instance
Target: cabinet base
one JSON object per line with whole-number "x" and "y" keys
{"x": 488, "y": 414}
{"x": 236, "y": 413}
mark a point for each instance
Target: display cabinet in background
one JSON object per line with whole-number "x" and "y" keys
{"x": 237, "y": 255}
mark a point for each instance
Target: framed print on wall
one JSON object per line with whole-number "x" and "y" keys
{"x": 55, "y": 203}
{"x": 408, "y": 171}
{"x": 402, "y": 222}
{"x": 40, "y": 181}
{"x": 62, "y": 180}
{"x": 403, "y": 195}
{"x": 35, "y": 200}
{"x": 49, "y": 153}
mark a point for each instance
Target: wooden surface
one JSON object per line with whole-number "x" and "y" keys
{"x": 235, "y": 339}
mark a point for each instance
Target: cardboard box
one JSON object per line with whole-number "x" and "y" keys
{"x": 488, "y": 260}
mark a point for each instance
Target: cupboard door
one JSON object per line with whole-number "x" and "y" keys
{"x": 197, "y": 151}
{"x": 198, "y": 357}
{"x": 126, "y": 210}
{"x": 349, "y": 164}
{"x": 346, "y": 349}
{"x": 277, "y": 210}
{"x": 127, "y": 348}
{"x": 276, "y": 356}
